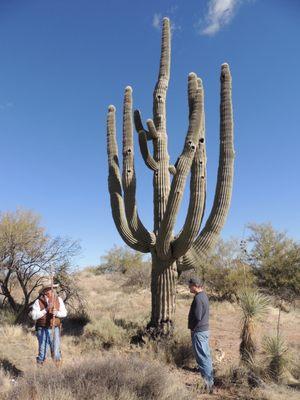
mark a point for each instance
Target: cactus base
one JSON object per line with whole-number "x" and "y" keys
{"x": 163, "y": 295}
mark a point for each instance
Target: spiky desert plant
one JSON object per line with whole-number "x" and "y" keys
{"x": 253, "y": 306}
{"x": 170, "y": 253}
{"x": 276, "y": 351}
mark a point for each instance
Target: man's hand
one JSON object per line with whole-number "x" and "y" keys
{"x": 50, "y": 310}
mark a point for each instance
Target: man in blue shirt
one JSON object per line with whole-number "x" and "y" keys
{"x": 198, "y": 323}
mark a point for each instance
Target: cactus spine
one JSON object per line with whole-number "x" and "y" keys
{"x": 170, "y": 254}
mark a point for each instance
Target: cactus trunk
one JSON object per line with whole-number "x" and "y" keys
{"x": 163, "y": 294}
{"x": 170, "y": 252}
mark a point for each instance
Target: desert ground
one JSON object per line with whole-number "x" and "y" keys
{"x": 106, "y": 341}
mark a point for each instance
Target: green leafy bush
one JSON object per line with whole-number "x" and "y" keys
{"x": 276, "y": 261}
{"x": 224, "y": 272}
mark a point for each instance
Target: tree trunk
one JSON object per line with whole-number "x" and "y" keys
{"x": 163, "y": 293}
{"x": 23, "y": 317}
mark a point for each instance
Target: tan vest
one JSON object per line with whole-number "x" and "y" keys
{"x": 48, "y": 320}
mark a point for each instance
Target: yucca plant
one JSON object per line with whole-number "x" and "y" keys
{"x": 254, "y": 306}
{"x": 276, "y": 351}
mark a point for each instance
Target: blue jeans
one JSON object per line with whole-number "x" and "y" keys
{"x": 45, "y": 339}
{"x": 201, "y": 349}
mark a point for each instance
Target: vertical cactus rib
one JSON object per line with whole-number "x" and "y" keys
{"x": 216, "y": 220}
{"x": 163, "y": 287}
{"x": 165, "y": 233}
{"x": 115, "y": 186}
{"x": 128, "y": 175}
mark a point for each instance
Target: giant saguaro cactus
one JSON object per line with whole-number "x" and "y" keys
{"x": 170, "y": 253}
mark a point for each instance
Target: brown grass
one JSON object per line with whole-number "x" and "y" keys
{"x": 109, "y": 378}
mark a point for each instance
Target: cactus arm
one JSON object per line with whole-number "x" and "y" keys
{"x": 151, "y": 133}
{"x": 182, "y": 170}
{"x": 129, "y": 177}
{"x": 172, "y": 169}
{"x": 161, "y": 87}
{"x": 184, "y": 240}
{"x": 161, "y": 178}
{"x": 149, "y": 160}
{"x": 210, "y": 233}
{"x": 188, "y": 261}
{"x": 115, "y": 186}
{"x": 193, "y": 221}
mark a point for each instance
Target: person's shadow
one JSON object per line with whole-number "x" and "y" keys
{"x": 10, "y": 368}
{"x": 73, "y": 325}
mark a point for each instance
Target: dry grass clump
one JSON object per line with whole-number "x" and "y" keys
{"x": 103, "y": 333}
{"x": 7, "y": 317}
{"x": 18, "y": 345}
{"x": 176, "y": 350}
{"x": 110, "y": 378}
{"x": 275, "y": 392}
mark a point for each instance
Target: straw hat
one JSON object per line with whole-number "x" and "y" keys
{"x": 48, "y": 285}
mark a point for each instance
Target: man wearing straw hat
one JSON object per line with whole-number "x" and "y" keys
{"x": 47, "y": 311}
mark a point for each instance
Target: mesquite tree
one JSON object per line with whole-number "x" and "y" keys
{"x": 170, "y": 253}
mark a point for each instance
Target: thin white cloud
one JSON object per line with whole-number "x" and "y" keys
{"x": 156, "y": 22}
{"x": 220, "y": 13}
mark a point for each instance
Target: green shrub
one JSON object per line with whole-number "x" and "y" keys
{"x": 224, "y": 272}
{"x": 120, "y": 259}
{"x": 276, "y": 352}
{"x": 138, "y": 277}
{"x": 102, "y": 333}
{"x": 276, "y": 261}
{"x": 225, "y": 282}
{"x": 253, "y": 306}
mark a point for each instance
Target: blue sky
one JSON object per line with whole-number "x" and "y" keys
{"x": 63, "y": 62}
